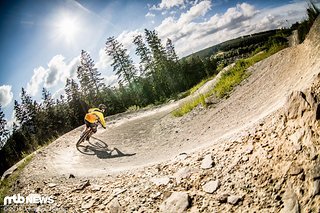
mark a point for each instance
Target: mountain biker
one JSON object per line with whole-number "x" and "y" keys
{"x": 93, "y": 118}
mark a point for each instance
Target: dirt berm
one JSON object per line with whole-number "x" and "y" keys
{"x": 256, "y": 151}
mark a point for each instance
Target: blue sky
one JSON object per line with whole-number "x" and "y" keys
{"x": 41, "y": 40}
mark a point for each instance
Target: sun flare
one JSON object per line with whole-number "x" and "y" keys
{"x": 67, "y": 28}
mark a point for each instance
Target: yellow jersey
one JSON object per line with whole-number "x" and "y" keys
{"x": 95, "y": 115}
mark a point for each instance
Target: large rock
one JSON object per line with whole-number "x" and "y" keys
{"x": 249, "y": 149}
{"x": 182, "y": 173}
{"x": 177, "y": 202}
{"x": 297, "y": 105}
{"x": 316, "y": 187}
{"x": 114, "y": 206}
{"x": 234, "y": 199}
{"x": 290, "y": 202}
{"x": 211, "y": 186}
{"x": 297, "y": 136}
{"x": 160, "y": 180}
{"x": 207, "y": 162}
{"x": 316, "y": 170}
{"x": 87, "y": 204}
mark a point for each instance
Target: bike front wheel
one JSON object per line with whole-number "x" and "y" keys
{"x": 83, "y": 136}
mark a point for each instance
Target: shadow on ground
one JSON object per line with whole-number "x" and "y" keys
{"x": 100, "y": 148}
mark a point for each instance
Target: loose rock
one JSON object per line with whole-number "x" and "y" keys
{"x": 223, "y": 198}
{"x": 182, "y": 173}
{"x": 249, "y": 149}
{"x": 290, "y": 202}
{"x": 295, "y": 170}
{"x": 316, "y": 187}
{"x": 207, "y": 162}
{"x": 233, "y": 199}
{"x": 177, "y": 202}
{"x": 51, "y": 185}
{"x": 211, "y": 186}
{"x": 87, "y": 205}
{"x": 114, "y": 206}
{"x": 160, "y": 181}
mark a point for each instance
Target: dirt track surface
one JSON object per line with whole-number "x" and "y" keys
{"x": 136, "y": 140}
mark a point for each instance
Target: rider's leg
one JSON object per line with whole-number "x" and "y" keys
{"x": 94, "y": 130}
{"x": 87, "y": 126}
{"x": 88, "y": 137}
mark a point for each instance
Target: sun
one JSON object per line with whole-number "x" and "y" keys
{"x": 67, "y": 28}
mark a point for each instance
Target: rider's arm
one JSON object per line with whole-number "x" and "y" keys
{"x": 101, "y": 119}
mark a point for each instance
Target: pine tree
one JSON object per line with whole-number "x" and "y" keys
{"x": 3, "y": 129}
{"x": 174, "y": 68}
{"x": 72, "y": 90}
{"x": 158, "y": 51}
{"x": 26, "y": 111}
{"x": 76, "y": 107}
{"x": 48, "y": 102}
{"x": 46, "y": 116}
{"x": 122, "y": 63}
{"x": 171, "y": 53}
{"x": 145, "y": 56}
{"x": 163, "y": 79}
{"x": 89, "y": 76}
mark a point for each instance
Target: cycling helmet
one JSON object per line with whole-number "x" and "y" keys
{"x": 102, "y": 106}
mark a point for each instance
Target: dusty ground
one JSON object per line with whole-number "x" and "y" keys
{"x": 136, "y": 162}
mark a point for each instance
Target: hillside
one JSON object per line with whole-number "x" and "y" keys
{"x": 256, "y": 151}
{"x": 235, "y": 43}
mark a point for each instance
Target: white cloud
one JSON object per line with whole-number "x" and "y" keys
{"x": 5, "y": 95}
{"x": 11, "y": 121}
{"x": 104, "y": 60}
{"x": 199, "y": 31}
{"x": 69, "y": 69}
{"x": 126, "y": 38}
{"x": 56, "y": 67}
{"x": 111, "y": 80}
{"x": 150, "y": 15}
{"x": 36, "y": 81}
{"x": 196, "y": 11}
{"x": 57, "y": 72}
{"x": 178, "y": 28}
{"x": 167, "y": 4}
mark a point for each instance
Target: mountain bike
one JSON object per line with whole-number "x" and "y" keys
{"x": 84, "y": 136}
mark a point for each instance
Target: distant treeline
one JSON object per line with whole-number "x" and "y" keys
{"x": 161, "y": 76}
{"x": 241, "y": 42}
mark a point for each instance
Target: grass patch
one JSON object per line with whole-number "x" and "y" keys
{"x": 199, "y": 85}
{"x": 189, "y": 106}
{"x": 194, "y": 88}
{"x": 228, "y": 80}
{"x": 133, "y": 108}
{"x": 6, "y": 184}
